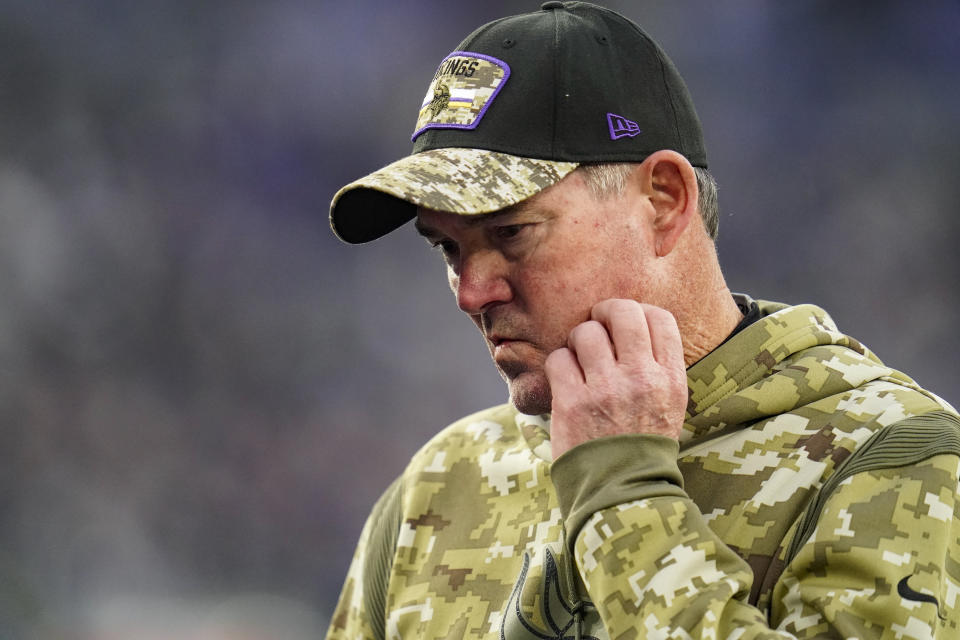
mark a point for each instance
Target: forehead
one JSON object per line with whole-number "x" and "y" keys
{"x": 429, "y": 221}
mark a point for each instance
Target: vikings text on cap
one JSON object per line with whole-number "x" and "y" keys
{"x": 457, "y": 67}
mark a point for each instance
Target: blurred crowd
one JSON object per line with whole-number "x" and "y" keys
{"x": 202, "y": 391}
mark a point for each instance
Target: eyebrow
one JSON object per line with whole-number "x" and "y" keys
{"x": 474, "y": 220}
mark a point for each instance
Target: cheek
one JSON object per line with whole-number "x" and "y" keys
{"x": 572, "y": 285}
{"x": 559, "y": 299}
{"x": 619, "y": 272}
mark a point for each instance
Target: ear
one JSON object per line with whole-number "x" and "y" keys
{"x": 670, "y": 183}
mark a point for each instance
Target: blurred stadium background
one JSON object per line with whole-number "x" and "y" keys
{"x": 202, "y": 391}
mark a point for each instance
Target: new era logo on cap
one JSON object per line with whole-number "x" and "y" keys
{"x": 498, "y": 124}
{"x": 621, "y": 127}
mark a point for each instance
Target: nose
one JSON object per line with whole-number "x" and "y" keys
{"x": 481, "y": 282}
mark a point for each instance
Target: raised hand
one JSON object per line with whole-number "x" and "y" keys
{"x": 621, "y": 372}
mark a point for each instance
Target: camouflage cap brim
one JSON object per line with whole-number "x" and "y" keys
{"x": 458, "y": 180}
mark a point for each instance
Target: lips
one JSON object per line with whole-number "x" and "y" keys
{"x": 506, "y": 331}
{"x": 497, "y": 340}
{"x": 506, "y": 349}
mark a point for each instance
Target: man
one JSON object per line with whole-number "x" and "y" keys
{"x": 675, "y": 461}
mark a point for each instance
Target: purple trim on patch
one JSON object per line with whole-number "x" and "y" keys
{"x": 473, "y": 125}
{"x": 621, "y": 127}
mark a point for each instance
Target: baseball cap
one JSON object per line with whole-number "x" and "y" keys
{"x": 519, "y": 104}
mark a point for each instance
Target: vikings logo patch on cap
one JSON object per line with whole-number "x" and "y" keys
{"x": 461, "y": 91}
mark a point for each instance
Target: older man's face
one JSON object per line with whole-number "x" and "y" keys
{"x": 528, "y": 274}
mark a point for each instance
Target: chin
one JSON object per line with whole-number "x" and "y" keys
{"x": 530, "y": 393}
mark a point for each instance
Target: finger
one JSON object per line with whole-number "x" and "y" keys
{"x": 626, "y": 325}
{"x": 592, "y": 347}
{"x": 665, "y": 341}
{"x": 562, "y": 369}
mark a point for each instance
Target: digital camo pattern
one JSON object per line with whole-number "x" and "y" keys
{"x": 466, "y": 181}
{"x": 482, "y": 551}
{"x": 461, "y": 91}
{"x": 883, "y": 529}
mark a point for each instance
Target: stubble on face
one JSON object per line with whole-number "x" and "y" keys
{"x": 528, "y": 385}
{"x": 531, "y": 396}
{"x": 520, "y": 364}
{"x": 581, "y": 259}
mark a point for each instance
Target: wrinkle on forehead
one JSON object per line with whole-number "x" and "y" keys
{"x": 480, "y": 219}
{"x": 471, "y": 221}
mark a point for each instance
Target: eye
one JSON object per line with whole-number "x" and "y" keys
{"x": 509, "y": 231}
{"x": 448, "y": 248}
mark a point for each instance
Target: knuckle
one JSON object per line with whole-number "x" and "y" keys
{"x": 663, "y": 315}
{"x": 585, "y": 330}
{"x": 622, "y": 306}
{"x": 576, "y": 333}
{"x": 556, "y": 360}
{"x": 594, "y": 329}
{"x": 614, "y": 307}
{"x": 604, "y": 304}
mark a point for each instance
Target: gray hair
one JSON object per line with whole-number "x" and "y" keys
{"x": 607, "y": 179}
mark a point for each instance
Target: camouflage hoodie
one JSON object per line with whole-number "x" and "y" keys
{"x": 813, "y": 494}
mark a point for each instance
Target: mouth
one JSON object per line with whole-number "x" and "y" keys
{"x": 505, "y": 349}
{"x": 504, "y": 337}
{"x": 497, "y": 340}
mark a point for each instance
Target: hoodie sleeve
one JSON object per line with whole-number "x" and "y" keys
{"x": 360, "y": 613}
{"x": 882, "y": 562}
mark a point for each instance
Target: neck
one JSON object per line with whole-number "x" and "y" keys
{"x": 705, "y": 310}
{"x": 712, "y": 324}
